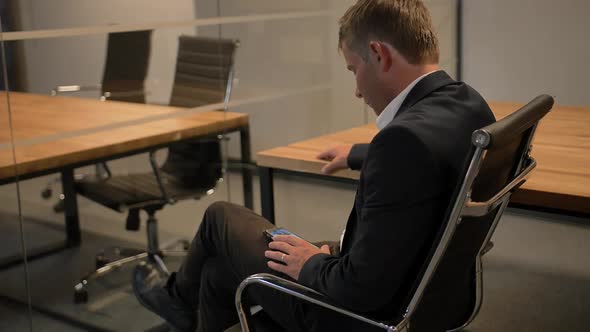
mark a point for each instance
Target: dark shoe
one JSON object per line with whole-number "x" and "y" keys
{"x": 152, "y": 292}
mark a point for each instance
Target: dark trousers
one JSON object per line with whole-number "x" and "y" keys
{"x": 228, "y": 247}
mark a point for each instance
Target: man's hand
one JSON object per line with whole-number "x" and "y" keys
{"x": 292, "y": 251}
{"x": 337, "y": 157}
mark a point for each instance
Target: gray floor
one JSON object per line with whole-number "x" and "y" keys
{"x": 537, "y": 277}
{"x": 111, "y": 303}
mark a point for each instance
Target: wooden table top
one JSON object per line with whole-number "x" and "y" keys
{"x": 53, "y": 132}
{"x": 561, "y": 147}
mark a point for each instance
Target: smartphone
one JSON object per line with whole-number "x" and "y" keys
{"x": 271, "y": 232}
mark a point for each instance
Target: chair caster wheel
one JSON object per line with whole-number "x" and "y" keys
{"x": 80, "y": 296}
{"x": 46, "y": 193}
{"x": 59, "y": 207}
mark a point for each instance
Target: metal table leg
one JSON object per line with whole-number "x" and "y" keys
{"x": 71, "y": 208}
{"x": 246, "y": 171}
{"x": 267, "y": 193}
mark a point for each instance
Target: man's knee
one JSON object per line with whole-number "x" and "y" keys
{"x": 223, "y": 213}
{"x": 219, "y": 209}
{"x": 222, "y": 207}
{"x": 219, "y": 206}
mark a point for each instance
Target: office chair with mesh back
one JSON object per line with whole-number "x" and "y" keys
{"x": 500, "y": 162}
{"x": 125, "y": 70}
{"x": 204, "y": 75}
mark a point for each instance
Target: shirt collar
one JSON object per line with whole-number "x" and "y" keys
{"x": 393, "y": 107}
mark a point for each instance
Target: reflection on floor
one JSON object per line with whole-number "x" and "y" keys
{"x": 536, "y": 277}
{"x": 111, "y": 301}
{"x": 14, "y": 317}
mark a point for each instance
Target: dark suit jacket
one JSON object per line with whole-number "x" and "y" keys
{"x": 408, "y": 173}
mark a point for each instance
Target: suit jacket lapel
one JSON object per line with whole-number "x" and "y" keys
{"x": 425, "y": 87}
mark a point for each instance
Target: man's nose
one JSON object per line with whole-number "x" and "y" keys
{"x": 358, "y": 94}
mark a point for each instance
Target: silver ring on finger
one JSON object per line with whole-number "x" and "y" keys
{"x": 283, "y": 257}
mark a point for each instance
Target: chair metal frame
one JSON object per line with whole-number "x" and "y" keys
{"x": 463, "y": 206}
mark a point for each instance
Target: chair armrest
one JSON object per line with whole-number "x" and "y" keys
{"x": 74, "y": 88}
{"x": 105, "y": 96}
{"x": 478, "y": 209}
{"x": 106, "y": 169}
{"x": 122, "y": 94}
{"x": 299, "y": 291}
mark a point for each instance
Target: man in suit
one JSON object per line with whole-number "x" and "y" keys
{"x": 408, "y": 173}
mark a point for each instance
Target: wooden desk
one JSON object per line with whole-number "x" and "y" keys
{"x": 560, "y": 182}
{"x": 59, "y": 134}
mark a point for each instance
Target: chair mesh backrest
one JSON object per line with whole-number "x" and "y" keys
{"x": 203, "y": 68}
{"x": 126, "y": 65}
{"x": 505, "y": 158}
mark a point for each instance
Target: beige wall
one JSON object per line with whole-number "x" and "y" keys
{"x": 515, "y": 50}
{"x": 80, "y": 60}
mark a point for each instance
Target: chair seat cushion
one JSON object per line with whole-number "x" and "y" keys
{"x": 134, "y": 190}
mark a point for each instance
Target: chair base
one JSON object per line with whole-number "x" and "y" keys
{"x": 125, "y": 256}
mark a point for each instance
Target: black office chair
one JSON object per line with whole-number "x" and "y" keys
{"x": 125, "y": 70}
{"x": 204, "y": 75}
{"x": 500, "y": 162}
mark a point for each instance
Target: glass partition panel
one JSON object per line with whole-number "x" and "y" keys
{"x": 15, "y": 309}
{"x": 85, "y": 15}
{"x": 109, "y": 156}
{"x": 132, "y": 114}
{"x": 445, "y": 16}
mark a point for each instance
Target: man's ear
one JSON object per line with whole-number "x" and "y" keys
{"x": 382, "y": 55}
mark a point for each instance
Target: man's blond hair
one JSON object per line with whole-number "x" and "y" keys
{"x": 404, "y": 24}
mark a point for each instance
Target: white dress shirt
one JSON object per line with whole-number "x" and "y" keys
{"x": 391, "y": 110}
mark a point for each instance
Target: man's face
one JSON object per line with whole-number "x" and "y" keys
{"x": 366, "y": 77}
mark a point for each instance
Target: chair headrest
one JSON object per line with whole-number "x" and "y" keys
{"x": 514, "y": 124}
